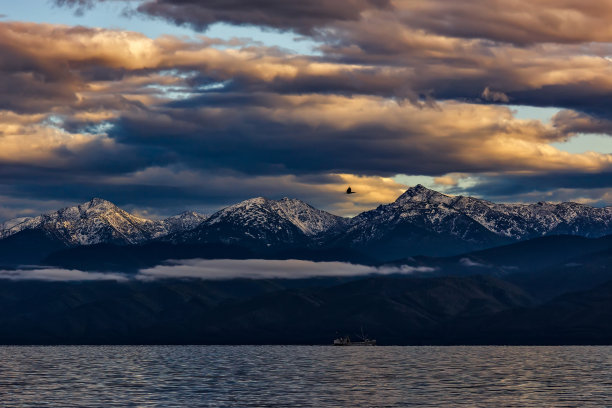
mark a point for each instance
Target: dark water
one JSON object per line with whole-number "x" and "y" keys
{"x": 254, "y": 376}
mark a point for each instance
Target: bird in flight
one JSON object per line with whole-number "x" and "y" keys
{"x": 349, "y": 191}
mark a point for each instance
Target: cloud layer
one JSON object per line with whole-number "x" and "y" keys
{"x": 395, "y": 88}
{"x": 520, "y": 22}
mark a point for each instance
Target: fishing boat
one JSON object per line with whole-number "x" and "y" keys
{"x": 346, "y": 341}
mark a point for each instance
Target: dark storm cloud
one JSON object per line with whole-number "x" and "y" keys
{"x": 420, "y": 51}
{"x": 577, "y": 122}
{"x": 142, "y": 195}
{"x": 593, "y": 189}
{"x": 521, "y": 22}
{"x": 417, "y": 63}
{"x": 512, "y": 185}
{"x": 301, "y": 16}
{"x": 594, "y": 99}
{"x": 165, "y": 191}
{"x": 93, "y": 158}
{"x": 272, "y": 134}
{"x": 46, "y": 67}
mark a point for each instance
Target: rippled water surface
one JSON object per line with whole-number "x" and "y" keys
{"x": 261, "y": 376}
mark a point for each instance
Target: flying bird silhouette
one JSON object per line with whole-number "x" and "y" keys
{"x": 349, "y": 191}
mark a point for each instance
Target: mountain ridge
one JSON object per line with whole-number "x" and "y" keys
{"x": 420, "y": 221}
{"x": 467, "y": 223}
{"x": 100, "y": 221}
{"x": 262, "y": 223}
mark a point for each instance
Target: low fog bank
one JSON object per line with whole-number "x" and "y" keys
{"x": 218, "y": 269}
{"x": 267, "y": 269}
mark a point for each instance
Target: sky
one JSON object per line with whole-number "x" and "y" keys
{"x": 163, "y": 106}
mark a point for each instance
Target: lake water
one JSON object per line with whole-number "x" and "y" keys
{"x": 296, "y": 376}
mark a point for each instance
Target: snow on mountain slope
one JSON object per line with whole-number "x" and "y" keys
{"x": 264, "y": 222}
{"x": 420, "y": 221}
{"x": 259, "y": 212}
{"x": 185, "y": 221}
{"x": 466, "y": 217}
{"x": 7, "y": 225}
{"x": 100, "y": 221}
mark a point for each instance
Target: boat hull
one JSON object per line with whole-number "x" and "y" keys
{"x": 346, "y": 342}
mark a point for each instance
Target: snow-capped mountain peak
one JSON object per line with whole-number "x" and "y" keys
{"x": 424, "y": 221}
{"x": 260, "y": 211}
{"x": 184, "y": 221}
{"x": 99, "y": 203}
{"x": 99, "y": 221}
{"x": 308, "y": 219}
{"x": 263, "y": 223}
{"x": 420, "y": 193}
{"x": 420, "y": 221}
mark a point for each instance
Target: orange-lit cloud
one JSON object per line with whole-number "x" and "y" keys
{"x": 386, "y": 95}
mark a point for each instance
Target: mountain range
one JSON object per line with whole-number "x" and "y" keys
{"x": 420, "y": 222}
{"x": 483, "y": 273}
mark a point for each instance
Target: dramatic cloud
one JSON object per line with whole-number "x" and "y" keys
{"x": 28, "y": 139}
{"x": 520, "y": 21}
{"x": 64, "y": 68}
{"x": 586, "y": 188}
{"x": 366, "y": 135}
{"x": 301, "y": 16}
{"x": 377, "y": 56}
{"x": 267, "y": 269}
{"x": 395, "y": 88}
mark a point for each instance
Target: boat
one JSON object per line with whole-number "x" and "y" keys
{"x": 346, "y": 341}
